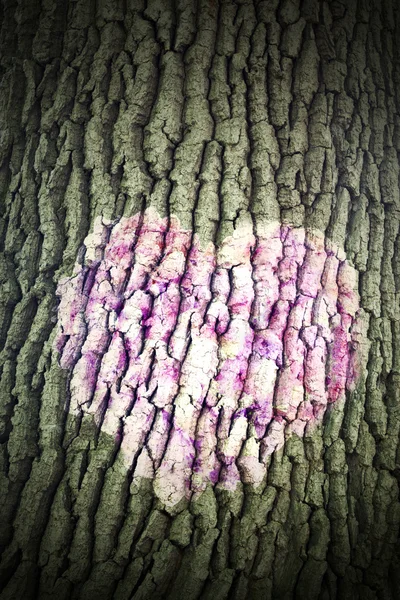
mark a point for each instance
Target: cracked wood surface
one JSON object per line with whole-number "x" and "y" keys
{"x": 199, "y": 301}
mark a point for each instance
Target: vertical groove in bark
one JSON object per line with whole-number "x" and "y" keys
{"x": 189, "y": 122}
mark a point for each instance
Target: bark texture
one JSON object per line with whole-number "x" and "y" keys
{"x": 199, "y": 302}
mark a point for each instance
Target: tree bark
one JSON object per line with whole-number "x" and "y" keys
{"x": 199, "y": 303}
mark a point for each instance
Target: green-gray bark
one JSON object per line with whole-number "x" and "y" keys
{"x": 215, "y": 112}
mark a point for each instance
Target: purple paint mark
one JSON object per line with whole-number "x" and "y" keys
{"x": 209, "y": 357}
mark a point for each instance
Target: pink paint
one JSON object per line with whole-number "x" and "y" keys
{"x": 208, "y": 358}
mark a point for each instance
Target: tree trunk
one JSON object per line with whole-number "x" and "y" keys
{"x": 200, "y": 283}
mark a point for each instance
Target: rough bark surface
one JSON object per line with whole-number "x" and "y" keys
{"x": 199, "y": 302}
